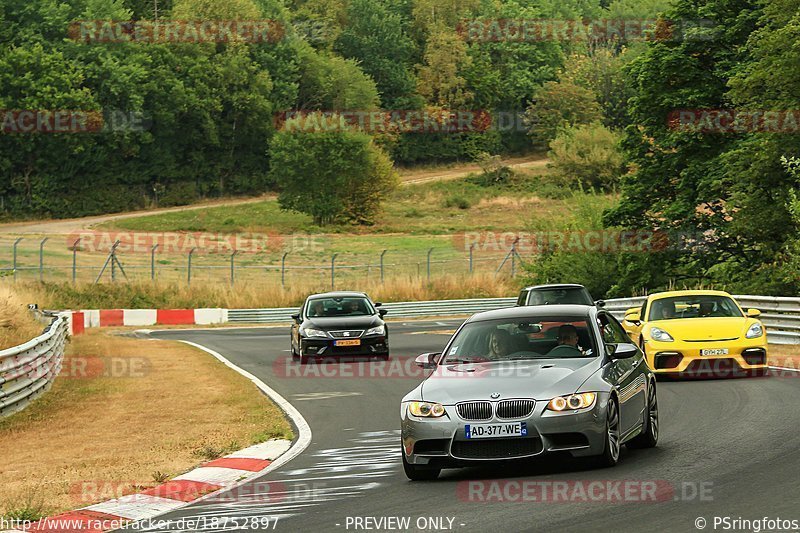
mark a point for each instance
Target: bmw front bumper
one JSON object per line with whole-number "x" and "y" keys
{"x": 442, "y": 442}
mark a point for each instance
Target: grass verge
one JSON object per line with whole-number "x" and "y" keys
{"x": 147, "y": 295}
{"x": 126, "y": 414}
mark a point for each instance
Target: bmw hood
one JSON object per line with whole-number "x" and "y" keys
{"x": 540, "y": 379}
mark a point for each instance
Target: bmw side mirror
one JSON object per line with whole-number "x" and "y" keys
{"x": 624, "y": 350}
{"x": 427, "y": 360}
{"x": 382, "y": 312}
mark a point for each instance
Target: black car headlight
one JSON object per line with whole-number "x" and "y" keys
{"x": 311, "y": 332}
{"x": 377, "y": 330}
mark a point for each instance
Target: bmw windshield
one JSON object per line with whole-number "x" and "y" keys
{"x": 518, "y": 339}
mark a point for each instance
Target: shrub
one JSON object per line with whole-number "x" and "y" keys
{"x": 457, "y": 201}
{"x": 588, "y": 155}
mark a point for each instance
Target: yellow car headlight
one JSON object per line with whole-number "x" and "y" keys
{"x": 573, "y": 402}
{"x": 426, "y": 409}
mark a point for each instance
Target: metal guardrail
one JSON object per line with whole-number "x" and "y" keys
{"x": 27, "y": 371}
{"x": 781, "y": 316}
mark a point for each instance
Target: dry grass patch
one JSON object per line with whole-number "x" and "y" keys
{"x": 787, "y": 356}
{"x": 127, "y": 414}
{"x": 17, "y": 324}
{"x": 246, "y": 295}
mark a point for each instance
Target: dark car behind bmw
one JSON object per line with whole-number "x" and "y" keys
{"x": 336, "y": 324}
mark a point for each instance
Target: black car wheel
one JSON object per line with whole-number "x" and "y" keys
{"x": 416, "y": 473}
{"x": 610, "y": 455}
{"x": 648, "y": 438}
{"x": 294, "y": 352}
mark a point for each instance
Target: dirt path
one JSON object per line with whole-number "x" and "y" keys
{"x": 407, "y": 177}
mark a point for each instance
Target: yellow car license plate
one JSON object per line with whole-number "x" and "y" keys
{"x": 715, "y": 351}
{"x": 351, "y": 342}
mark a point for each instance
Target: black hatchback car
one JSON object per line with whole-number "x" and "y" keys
{"x": 336, "y": 324}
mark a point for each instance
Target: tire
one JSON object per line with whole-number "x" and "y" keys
{"x": 415, "y": 473}
{"x": 304, "y": 359}
{"x": 294, "y": 352}
{"x": 610, "y": 455}
{"x": 648, "y": 438}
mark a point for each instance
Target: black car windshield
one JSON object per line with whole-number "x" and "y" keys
{"x": 544, "y": 337}
{"x": 333, "y": 307}
{"x": 693, "y": 307}
{"x": 558, "y": 296}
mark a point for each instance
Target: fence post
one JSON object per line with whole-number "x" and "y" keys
{"x": 513, "y": 259}
{"x": 233, "y": 255}
{"x": 333, "y": 271}
{"x": 15, "y": 257}
{"x": 383, "y": 253}
{"x": 471, "y": 264}
{"x": 283, "y": 269}
{"x": 189, "y": 267}
{"x": 429, "y": 264}
{"x": 153, "y": 262}
{"x": 75, "y": 259}
{"x": 41, "y": 258}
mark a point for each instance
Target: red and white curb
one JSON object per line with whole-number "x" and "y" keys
{"x": 202, "y": 483}
{"x": 101, "y": 318}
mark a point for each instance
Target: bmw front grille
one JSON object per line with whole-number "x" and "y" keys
{"x": 475, "y": 410}
{"x": 510, "y": 409}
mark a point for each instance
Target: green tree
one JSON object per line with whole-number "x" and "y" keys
{"x": 330, "y": 82}
{"x": 332, "y": 176}
{"x": 375, "y": 38}
{"x": 559, "y": 105}
{"x": 439, "y": 78}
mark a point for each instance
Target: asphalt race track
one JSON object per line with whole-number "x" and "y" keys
{"x": 728, "y": 448}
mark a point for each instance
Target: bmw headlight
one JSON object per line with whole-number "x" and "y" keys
{"x": 575, "y": 401}
{"x": 378, "y": 330}
{"x": 310, "y": 332}
{"x": 755, "y": 331}
{"x": 660, "y": 335}
{"x": 426, "y": 409}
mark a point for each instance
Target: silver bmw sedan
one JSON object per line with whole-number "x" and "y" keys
{"x": 519, "y": 382}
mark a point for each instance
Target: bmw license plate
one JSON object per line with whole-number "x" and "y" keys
{"x": 485, "y": 431}
{"x": 715, "y": 351}
{"x": 351, "y": 342}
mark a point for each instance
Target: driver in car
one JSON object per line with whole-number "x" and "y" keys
{"x": 567, "y": 342}
{"x": 317, "y": 309}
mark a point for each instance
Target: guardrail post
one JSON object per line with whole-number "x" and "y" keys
{"x": 41, "y": 258}
{"x": 233, "y": 268}
{"x": 429, "y": 264}
{"x": 75, "y": 259}
{"x": 14, "y": 265}
{"x": 383, "y": 253}
{"x": 333, "y": 271}
{"x": 189, "y": 267}
{"x": 153, "y": 262}
{"x": 283, "y": 269}
{"x": 471, "y": 263}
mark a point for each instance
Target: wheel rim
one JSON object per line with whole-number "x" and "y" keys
{"x": 613, "y": 430}
{"x": 652, "y": 402}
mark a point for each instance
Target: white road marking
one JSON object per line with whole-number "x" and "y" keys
{"x": 324, "y": 395}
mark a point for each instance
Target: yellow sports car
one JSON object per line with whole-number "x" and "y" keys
{"x": 698, "y": 333}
